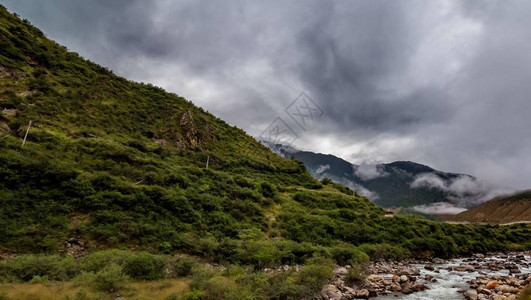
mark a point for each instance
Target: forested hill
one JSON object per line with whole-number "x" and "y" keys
{"x": 119, "y": 164}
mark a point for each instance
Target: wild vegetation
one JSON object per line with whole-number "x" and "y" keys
{"x": 122, "y": 165}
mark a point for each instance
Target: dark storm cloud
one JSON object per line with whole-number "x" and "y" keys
{"x": 440, "y": 82}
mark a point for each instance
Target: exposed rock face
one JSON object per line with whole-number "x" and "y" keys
{"x": 75, "y": 247}
{"x": 7, "y": 72}
{"x": 190, "y": 135}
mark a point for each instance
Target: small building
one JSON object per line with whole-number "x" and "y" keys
{"x": 389, "y": 213}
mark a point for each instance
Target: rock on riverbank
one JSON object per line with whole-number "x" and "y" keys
{"x": 498, "y": 276}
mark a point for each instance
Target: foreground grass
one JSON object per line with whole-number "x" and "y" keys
{"x": 158, "y": 289}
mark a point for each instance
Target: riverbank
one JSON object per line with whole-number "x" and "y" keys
{"x": 496, "y": 276}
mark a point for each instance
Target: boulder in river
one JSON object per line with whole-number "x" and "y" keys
{"x": 471, "y": 295}
{"x": 491, "y": 285}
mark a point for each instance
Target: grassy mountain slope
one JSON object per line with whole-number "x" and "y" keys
{"x": 515, "y": 208}
{"x": 118, "y": 164}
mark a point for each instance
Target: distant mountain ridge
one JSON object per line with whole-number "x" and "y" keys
{"x": 501, "y": 210}
{"x": 396, "y": 184}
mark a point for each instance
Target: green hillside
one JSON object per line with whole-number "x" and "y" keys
{"x": 501, "y": 210}
{"x": 119, "y": 164}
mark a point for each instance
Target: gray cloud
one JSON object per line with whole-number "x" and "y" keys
{"x": 438, "y": 208}
{"x": 367, "y": 171}
{"x": 443, "y": 83}
{"x": 465, "y": 191}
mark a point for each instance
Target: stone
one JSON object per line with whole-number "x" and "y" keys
{"x": 419, "y": 287}
{"x": 471, "y": 295}
{"x": 468, "y": 268}
{"x": 397, "y": 288}
{"x": 429, "y": 267}
{"x": 492, "y": 284}
{"x": 485, "y": 291}
{"x": 403, "y": 278}
{"x": 363, "y": 294}
{"x": 396, "y": 278}
{"x": 406, "y": 288}
{"x": 341, "y": 271}
{"x": 330, "y": 292}
{"x": 374, "y": 277}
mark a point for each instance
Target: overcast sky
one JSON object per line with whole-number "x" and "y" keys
{"x": 443, "y": 83}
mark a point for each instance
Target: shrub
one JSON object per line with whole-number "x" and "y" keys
{"x": 326, "y": 181}
{"x": 218, "y": 286}
{"x": 83, "y": 278}
{"x": 96, "y": 261}
{"x": 314, "y": 275}
{"x": 111, "y": 279}
{"x": 172, "y": 296}
{"x": 145, "y": 266}
{"x": 200, "y": 277}
{"x": 348, "y": 254}
{"x": 194, "y": 295}
{"x": 165, "y": 247}
{"x": 356, "y": 274}
{"x": 268, "y": 189}
{"x": 181, "y": 267}
{"x": 385, "y": 251}
{"x": 81, "y": 295}
{"x": 26, "y": 267}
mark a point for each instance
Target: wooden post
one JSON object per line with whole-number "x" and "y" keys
{"x": 208, "y": 159}
{"x": 26, "y": 135}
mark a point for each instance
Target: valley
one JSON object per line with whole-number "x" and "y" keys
{"x": 114, "y": 189}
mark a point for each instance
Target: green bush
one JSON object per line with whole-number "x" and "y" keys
{"x": 182, "y": 266}
{"x": 37, "y": 280}
{"x": 97, "y": 261}
{"x": 200, "y": 277}
{"x": 173, "y": 296}
{"x": 267, "y": 189}
{"x": 326, "y": 181}
{"x": 26, "y": 267}
{"x": 356, "y": 275}
{"x": 110, "y": 279}
{"x": 145, "y": 266}
{"x": 194, "y": 295}
{"x": 385, "y": 251}
{"x": 165, "y": 247}
{"x": 314, "y": 275}
{"x": 348, "y": 254}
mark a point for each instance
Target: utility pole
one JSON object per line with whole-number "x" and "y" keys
{"x": 208, "y": 159}
{"x": 26, "y": 135}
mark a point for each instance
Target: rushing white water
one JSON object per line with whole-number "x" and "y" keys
{"x": 449, "y": 282}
